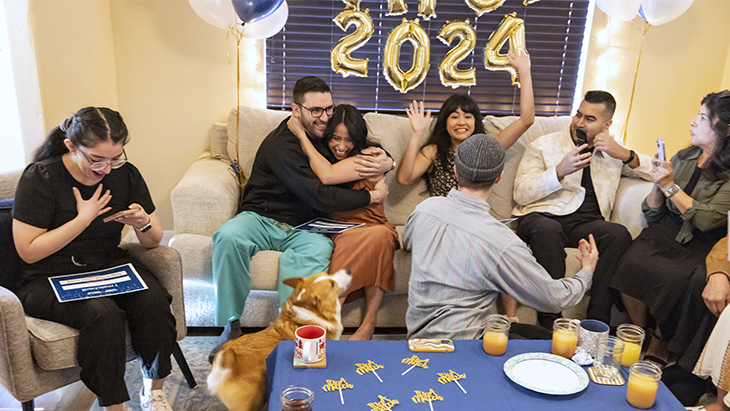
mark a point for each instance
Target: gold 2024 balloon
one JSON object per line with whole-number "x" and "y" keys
{"x": 448, "y": 70}
{"x": 340, "y": 56}
{"x": 413, "y": 32}
{"x": 426, "y": 8}
{"x": 513, "y": 29}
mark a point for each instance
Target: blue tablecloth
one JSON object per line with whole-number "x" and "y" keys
{"x": 487, "y": 386}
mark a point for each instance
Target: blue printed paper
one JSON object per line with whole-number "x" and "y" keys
{"x": 111, "y": 281}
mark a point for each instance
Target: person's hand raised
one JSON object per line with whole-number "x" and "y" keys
{"x": 605, "y": 143}
{"x": 95, "y": 206}
{"x": 588, "y": 253}
{"x": 419, "y": 117}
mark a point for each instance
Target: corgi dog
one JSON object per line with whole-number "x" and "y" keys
{"x": 238, "y": 375}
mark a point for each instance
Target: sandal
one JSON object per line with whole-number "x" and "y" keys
{"x": 656, "y": 360}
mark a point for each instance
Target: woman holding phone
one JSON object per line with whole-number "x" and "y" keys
{"x": 661, "y": 276}
{"x": 79, "y": 176}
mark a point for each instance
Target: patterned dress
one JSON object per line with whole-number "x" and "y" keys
{"x": 441, "y": 181}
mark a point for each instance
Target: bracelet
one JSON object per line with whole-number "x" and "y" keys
{"x": 144, "y": 228}
{"x": 632, "y": 155}
{"x": 672, "y": 190}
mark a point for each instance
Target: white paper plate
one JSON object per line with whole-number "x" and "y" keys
{"x": 546, "y": 373}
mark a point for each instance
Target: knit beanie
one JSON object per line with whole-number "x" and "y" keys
{"x": 479, "y": 158}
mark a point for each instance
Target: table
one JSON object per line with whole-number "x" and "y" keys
{"x": 486, "y": 384}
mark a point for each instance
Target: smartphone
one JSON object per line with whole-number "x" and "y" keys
{"x": 119, "y": 214}
{"x": 430, "y": 345}
{"x": 580, "y": 135}
{"x": 661, "y": 150}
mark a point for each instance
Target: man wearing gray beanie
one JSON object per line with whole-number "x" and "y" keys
{"x": 462, "y": 257}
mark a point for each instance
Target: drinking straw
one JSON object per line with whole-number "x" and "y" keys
{"x": 404, "y": 372}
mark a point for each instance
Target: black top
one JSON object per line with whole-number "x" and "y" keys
{"x": 44, "y": 199}
{"x": 283, "y": 186}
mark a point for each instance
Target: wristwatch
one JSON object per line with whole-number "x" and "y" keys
{"x": 145, "y": 228}
{"x": 392, "y": 167}
{"x": 672, "y": 190}
{"x": 632, "y": 154}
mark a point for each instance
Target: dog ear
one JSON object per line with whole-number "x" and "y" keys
{"x": 292, "y": 281}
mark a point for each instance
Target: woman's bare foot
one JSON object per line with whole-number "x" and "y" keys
{"x": 364, "y": 333}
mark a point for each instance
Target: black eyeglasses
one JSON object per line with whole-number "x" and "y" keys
{"x": 318, "y": 111}
{"x": 101, "y": 165}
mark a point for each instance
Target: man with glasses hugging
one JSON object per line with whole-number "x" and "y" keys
{"x": 281, "y": 193}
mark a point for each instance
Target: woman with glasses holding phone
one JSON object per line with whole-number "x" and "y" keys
{"x": 79, "y": 176}
{"x": 661, "y": 277}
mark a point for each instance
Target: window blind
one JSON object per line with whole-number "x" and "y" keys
{"x": 553, "y": 33}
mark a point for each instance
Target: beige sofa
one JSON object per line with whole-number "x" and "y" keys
{"x": 207, "y": 196}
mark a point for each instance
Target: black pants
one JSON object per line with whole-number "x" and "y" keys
{"x": 549, "y": 235}
{"x": 102, "y": 350}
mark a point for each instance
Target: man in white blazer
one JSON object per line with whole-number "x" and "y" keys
{"x": 565, "y": 189}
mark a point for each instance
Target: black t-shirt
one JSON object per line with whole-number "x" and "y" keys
{"x": 44, "y": 199}
{"x": 590, "y": 206}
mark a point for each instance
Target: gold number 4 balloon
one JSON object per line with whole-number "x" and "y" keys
{"x": 413, "y": 32}
{"x": 340, "y": 56}
{"x": 448, "y": 70}
{"x": 513, "y": 29}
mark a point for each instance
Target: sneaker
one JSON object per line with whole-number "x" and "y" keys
{"x": 156, "y": 401}
{"x": 231, "y": 331}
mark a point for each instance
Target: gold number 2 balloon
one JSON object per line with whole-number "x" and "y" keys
{"x": 340, "y": 56}
{"x": 448, "y": 70}
{"x": 413, "y": 32}
{"x": 484, "y": 6}
{"x": 513, "y": 29}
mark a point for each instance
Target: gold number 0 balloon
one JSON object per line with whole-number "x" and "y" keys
{"x": 513, "y": 29}
{"x": 484, "y": 6}
{"x": 448, "y": 70}
{"x": 340, "y": 56}
{"x": 413, "y": 32}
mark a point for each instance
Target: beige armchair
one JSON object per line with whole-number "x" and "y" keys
{"x": 38, "y": 356}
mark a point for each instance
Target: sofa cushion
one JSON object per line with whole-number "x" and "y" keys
{"x": 219, "y": 141}
{"x": 254, "y": 124}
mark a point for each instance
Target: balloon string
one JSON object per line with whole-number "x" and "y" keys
{"x": 236, "y": 168}
{"x": 625, "y": 128}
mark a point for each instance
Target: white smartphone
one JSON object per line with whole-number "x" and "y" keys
{"x": 661, "y": 150}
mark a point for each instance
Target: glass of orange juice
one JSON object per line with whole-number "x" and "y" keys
{"x": 495, "y": 334}
{"x": 565, "y": 337}
{"x": 644, "y": 379}
{"x": 633, "y": 338}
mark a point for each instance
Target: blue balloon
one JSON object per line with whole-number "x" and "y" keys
{"x": 641, "y": 12}
{"x": 252, "y": 10}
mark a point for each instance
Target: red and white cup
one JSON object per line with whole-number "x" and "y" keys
{"x": 309, "y": 344}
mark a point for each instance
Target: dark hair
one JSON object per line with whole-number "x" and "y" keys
{"x": 355, "y": 124}
{"x": 717, "y": 166}
{"x": 440, "y": 136}
{"x": 306, "y": 85}
{"x": 602, "y": 97}
{"x": 87, "y": 128}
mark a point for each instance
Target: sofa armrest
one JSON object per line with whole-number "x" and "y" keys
{"x": 165, "y": 264}
{"x": 627, "y": 210}
{"x": 206, "y": 197}
{"x": 16, "y": 358}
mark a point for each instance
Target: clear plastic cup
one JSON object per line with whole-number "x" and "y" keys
{"x": 644, "y": 379}
{"x": 609, "y": 351}
{"x": 296, "y": 399}
{"x": 633, "y": 338}
{"x": 565, "y": 337}
{"x": 496, "y": 333}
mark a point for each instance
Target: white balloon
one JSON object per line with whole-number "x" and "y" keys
{"x": 219, "y": 13}
{"x": 268, "y": 26}
{"x": 621, "y": 9}
{"x": 663, "y": 11}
